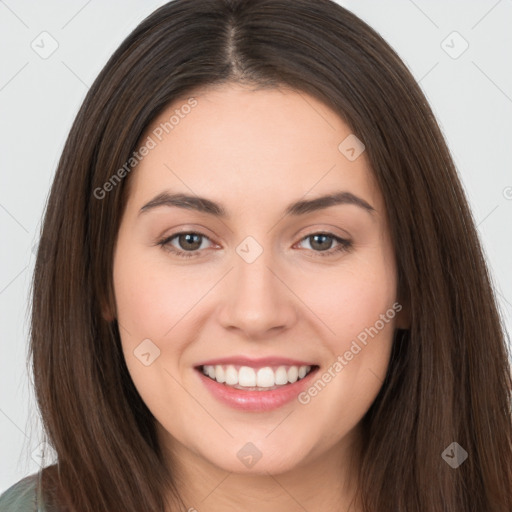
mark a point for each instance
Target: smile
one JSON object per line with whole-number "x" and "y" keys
{"x": 264, "y": 386}
{"x": 255, "y": 379}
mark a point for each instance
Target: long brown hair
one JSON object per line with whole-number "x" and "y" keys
{"x": 449, "y": 376}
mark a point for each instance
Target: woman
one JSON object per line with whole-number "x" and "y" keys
{"x": 262, "y": 288}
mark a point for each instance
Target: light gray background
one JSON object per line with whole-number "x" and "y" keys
{"x": 471, "y": 96}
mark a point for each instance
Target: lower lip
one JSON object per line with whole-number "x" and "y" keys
{"x": 256, "y": 401}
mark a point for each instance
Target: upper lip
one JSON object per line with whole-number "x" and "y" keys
{"x": 255, "y": 363}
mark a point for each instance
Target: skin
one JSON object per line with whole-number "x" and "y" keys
{"x": 256, "y": 151}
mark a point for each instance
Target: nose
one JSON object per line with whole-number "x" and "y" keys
{"x": 257, "y": 300}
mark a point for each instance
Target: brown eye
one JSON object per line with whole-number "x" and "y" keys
{"x": 188, "y": 243}
{"x": 321, "y": 243}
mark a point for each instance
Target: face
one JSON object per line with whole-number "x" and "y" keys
{"x": 250, "y": 291}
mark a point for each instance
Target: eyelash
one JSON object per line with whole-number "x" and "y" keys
{"x": 344, "y": 245}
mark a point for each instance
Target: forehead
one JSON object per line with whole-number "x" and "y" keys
{"x": 249, "y": 148}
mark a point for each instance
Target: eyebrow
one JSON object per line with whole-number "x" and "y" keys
{"x": 301, "y": 207}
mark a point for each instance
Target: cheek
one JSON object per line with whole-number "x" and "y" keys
{"x": 352, "y": 298}
{"x": 150, "y": 303}
{"x": 147, "y": 307}
{"x": 360, "y": 309}
{"x": 151, "y": 298}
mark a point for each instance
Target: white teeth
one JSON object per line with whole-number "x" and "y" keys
{"x": 231, "y": 376}
{"x": 265, "y": 378}
{"x": 293, "y": 374}
{"x": 248, "y": 377}
{"x": 281, "y": 376}
{"x": 220, "y": 375}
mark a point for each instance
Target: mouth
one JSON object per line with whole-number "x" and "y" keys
{"x": 255, "y": 384}
{"x": 263, "y": 386}
{"x": 254, "y": 378}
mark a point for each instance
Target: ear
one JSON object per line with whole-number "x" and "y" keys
{"x": 403, "y": 317}
{"x": 107, "y": 312}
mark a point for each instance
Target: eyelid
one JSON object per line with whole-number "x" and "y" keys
{"x": 330, "y": 229}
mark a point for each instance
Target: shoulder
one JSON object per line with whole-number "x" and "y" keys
{"x": 21, "y": 497}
